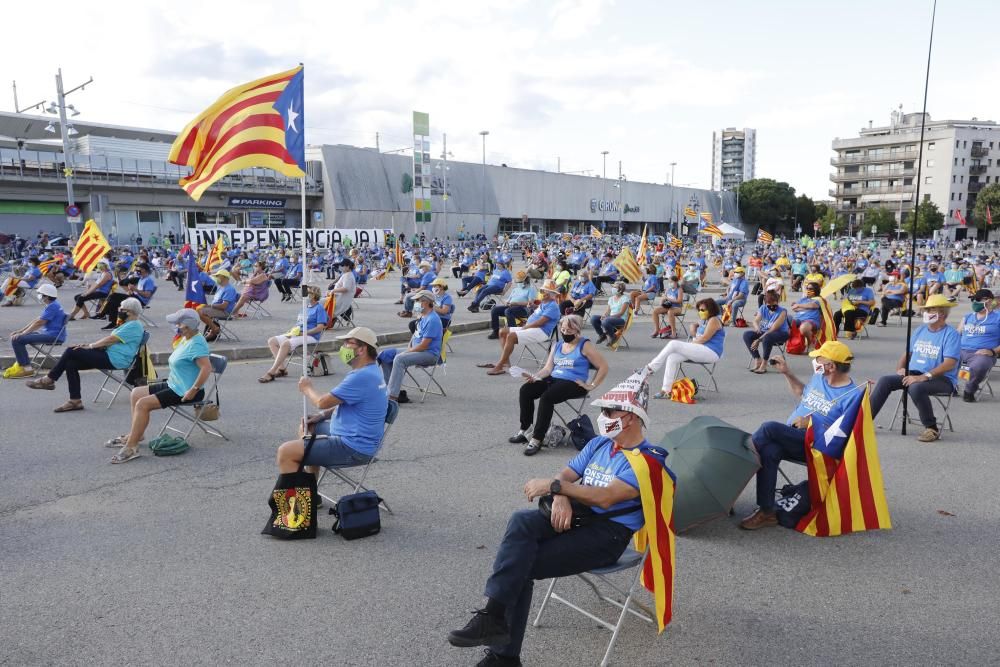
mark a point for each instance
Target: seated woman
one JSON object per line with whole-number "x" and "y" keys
{"x": 291, "y": 279}
{"x": 857, "y": 304}
{"x": 706, "y": 345}
{"x": 189, "y": 371}
{"x": 650, "y": 286}
{"x": 116, "y": 350}
{"x": 581, "y": 295}
{"x": 893, "y": 296}
{"x": 770, "y": 328}
{"x": 562, "y": 276}
{"x": 807, "y": 315}
{"x": 282, "y": 346}
{"x": 612, "y": 323}
{"x": 255, "y": 288}
{"x": 772, "y": 282}
{"x": 48, "y": 327}
{"x": 671, "y": 305}
{"x": 97, "y": 292}
{"x": 563, "y": 377}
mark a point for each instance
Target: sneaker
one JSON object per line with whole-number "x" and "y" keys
{"x": 491, "y": 659}
{"x": 518, "y": 438}
{"x": 403, "y": 398}
{"x": 967, "y": 396}
{"x": 473, "y": 309}
{"x": 20, "y": 372}
{"x": 534, "y": 446}
{"x": 929, "y": 435}
{"x": 602, "y": 338}
{"x": 759, "y": 519}
{"x": 482, "y": 630}
{"x": 108, "y": 327}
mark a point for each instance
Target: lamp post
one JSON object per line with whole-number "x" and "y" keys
{"x": 621, "y": 196}
{"x": 604, "y": 187}
{"x": 444, "y": 177}
{"x": 670, "y": 219}
{"x": 483, "y": 133}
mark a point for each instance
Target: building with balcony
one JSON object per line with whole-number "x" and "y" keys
{"x": 734, "y": 157}
{"x": 881, "y": 167}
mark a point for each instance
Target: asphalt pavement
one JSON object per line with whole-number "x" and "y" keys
{"x": 160, "y": 561}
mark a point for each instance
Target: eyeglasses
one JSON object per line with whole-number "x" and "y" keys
{"x": 703, "y": 310}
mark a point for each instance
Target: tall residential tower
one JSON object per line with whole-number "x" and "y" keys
{"x": 734, "y": 156}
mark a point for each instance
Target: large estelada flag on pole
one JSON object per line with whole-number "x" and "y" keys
{"x": 640, "y": 254}
{"x": 846, "y": 492}
{"x": 90, "y": 248}
{"x": 629, "y": 268}
{"x": 257, "y": 124}
{"x": 711, "y": 230}
{"x": 764, "y": 236}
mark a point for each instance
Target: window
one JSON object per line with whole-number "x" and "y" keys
{"x": 954, "y": 178}
{"x": 953, "y": 196}
{"x": 149, "y": 216}
{"x": 928, "y": 180}
{"x": 927, "y": 197}
{"x": 961, "y": 179}
{"x": 963, "y": 162}
{"x": 930, "y": 163}
{"x": 964, "y": 143}
{"x": 956, "y": 143}
{"x": 931, "y": 146}
{"x": 956, "y": 162}
{"x": 959, "y": 196}
{"x": 991, "y": 145}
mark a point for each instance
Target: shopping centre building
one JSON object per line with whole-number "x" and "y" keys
{"x": 122, "y": 180}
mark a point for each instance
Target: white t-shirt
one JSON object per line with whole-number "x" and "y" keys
{"x": 344, "y": 301}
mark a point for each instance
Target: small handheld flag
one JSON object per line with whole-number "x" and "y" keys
{"x": 643, "y": 247}
{"x": 595, "y": 233}
{"x": 689, "y": 212}
{"x": 707, "y": 216}
{"x": 627, "y": 265}
{"x": 764, "y": 237}
{"x": 959, "y": 217}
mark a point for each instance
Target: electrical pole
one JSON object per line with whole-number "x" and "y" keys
{"x": 604, "y": 189}
{"x": 444, "y": 177}
{"x": 378, "y": 149}
{"x": 484, "y": 133}
{"x": 621, "y": 197}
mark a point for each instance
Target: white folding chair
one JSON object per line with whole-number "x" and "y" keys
{"x": 118, "y": 379}
{"x": 707, "y": 367}
{"x": 537, "y": 352}
{"x": 358, "y": 485}
{"x": 630, "y": 559}
{"x": 255, "y": 310}
{"x": 42, "y": 352}
{"x": 191, "y": 412}
{"x": 943, "y": 401}
{"x": 429, "y": 386}
{"x": 226, "y": 334}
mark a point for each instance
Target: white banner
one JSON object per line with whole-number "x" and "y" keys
{"x": 250, "y": 238}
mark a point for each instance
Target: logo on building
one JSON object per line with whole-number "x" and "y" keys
{"x": 610, "y": 206}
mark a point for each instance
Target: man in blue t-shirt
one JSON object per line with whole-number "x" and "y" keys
{"x": 497, "y": 284}
{"x": 776, "y": 441}
{"x": 857, "y": 306}
{"x": 539, "y": 546}
{"x": 353, "y": 414}
{"x": 47, "y": 328}
{"x": 538, "y": 329}
{"x": 980, "y": 343}
{"x": 424, "y": 348}
{"x": 932, "y": 370}
{"x": 222, "y": 304}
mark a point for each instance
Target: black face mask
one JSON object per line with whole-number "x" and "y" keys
{"x": 772, "y": 307}
{"x": 568, "y": 338}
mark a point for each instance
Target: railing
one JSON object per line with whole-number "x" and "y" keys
{"x": 980, "y": 151}
{"x": 883, "y": 190}
{"x": 977, "y": 169}
{"x": 975, "y": 186}
{"x": 863, "y": 176}
{"x": 884, "y": 157}
{"x": 862, "y": 206}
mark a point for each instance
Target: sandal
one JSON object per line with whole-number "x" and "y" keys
{"x": 282, "y": 372}
{"x": 265, "y": 378}
{"x": 69, "y": 406}
{"x": 496, "y": 371}
{"x": 486, "y": 365}
{"x": 125, "y": 454}
{"x": 117, "y": 441}
{"x": 662, "y": 394}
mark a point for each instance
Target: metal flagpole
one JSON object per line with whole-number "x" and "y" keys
{"x": 916, "y": 208}
{"x": 305, "y": 298}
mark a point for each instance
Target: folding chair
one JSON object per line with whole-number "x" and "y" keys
{"x": 538, "y": 352}
{"x": 427, "y": 388}
{"x": 707, "y": 367}
{"x": 118, "y": 378}
{"x": 574, "y": 405}
{"x": 42, "y": 355}
{"x": 147, "y": 321}
{"x": 191, "y": 412}
{"x": 776, "y": 346}
{"x": 256, "y": 310}
{"x": 226, "y": 334}
{"x": 629, "y": 559}
{"x": 620, "y": 339}
{"x": 963, "y": 374}
{"x": 358, "y": 485}
{"x": 943, "y": 401}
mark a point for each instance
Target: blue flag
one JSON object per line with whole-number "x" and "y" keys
{"x": 291, "y": 106}
{"x": 832, "y": 430}
{"x": 193, "y": 289}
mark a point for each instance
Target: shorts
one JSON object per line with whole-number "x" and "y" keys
{"x": 213, "y": 313}
{"x": 533, "y": 335}
{"x": 166, "y": 396}
{"x": 295, "y": 342}
{"x": 331, "y": 450}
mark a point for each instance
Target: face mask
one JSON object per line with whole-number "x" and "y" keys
{"x": 568, "y": 338}
{"x": 931, "y": 318}
{"x": 978, "y": 306}
{"x": 772, "y": 308}
{"x": 347, "y": 354}
{"x": 437, "y": 291}
{"x": 818, "y": 368}
{"x": 609, "y": 427}
{"x": 703, "y": 314}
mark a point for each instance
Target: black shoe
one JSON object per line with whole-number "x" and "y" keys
{"x": 968, "y": 397}
{"x": 533, "y": 448}
{"x": 602, "y": 339}
{"x": 108, "y": 327}
{"x": 492, "y": 659}
{"x": 518, "y": 439}
{"x": 482, "y": 630}
{"x": 403, "y": 398}
{"x": 473, "y": 309}
{"x": 493, "y": 336}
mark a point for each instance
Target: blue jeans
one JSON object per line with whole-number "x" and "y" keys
{"x": 767, "y": 341}
{"x": 531, "y": 549}
{"x": 20, "y": 345}
{"x": 920, "y": 393}
{"x": 607, "y": 326}
{"x": 406, "y": 284}
{"x": 775, "y": 442}
{"x": 486, "y": 291}
{"x": 511, "y": 313}
{"x": 394, "y": 363}
{"x": 332, "y": 451}
{"x": 468, "y": 282}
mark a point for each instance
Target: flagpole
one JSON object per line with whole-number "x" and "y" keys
{"x": 305, "y": 320}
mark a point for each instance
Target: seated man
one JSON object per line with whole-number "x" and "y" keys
{"x": 424, "y": 348}
{"x": 538, "y": 329}
{"x": 857, "y": 305}
{"x": 222, "y": 304}
{"x": 980, "y": 343}
{"x": 471, "y": 282}
{"x": 536, "y": 546}
{"x": 736, "y": 296}
{"x": 581, "y": 295}
{"x": 48, "y": 327}
{"x": 934, "y": 352}
{"x": 142, "y": 289}
{"x": 427, "y": 276}
{"x": 496, "y": 285}
{"x": 515, "y": 307}
{"x": 353, "y": 412}
{"x": 776, "y": 442}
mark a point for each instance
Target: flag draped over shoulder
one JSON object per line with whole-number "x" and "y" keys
{"x": 627, "y": 265}
{"x": 656, "y": 490}
{"x": 252, "y": 125}
{"x": 90, "y": 247}
{"x": 846, "y": 492}
{"x": 595, "y": 233}
{"x": 828, "y": 328}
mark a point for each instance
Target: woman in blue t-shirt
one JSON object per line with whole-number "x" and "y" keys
{"x": 705, "y": 347}
{"x": 770, "y": 328}
{"x": 284, "y": 345}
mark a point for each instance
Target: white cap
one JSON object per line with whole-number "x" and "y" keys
{"x": 49, "y": 291}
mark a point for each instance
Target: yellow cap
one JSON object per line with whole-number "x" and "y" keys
{"x": 739, "y": 269}
{"x": 938, "y": 301}
{"x": 222, "y": 273}
{"x": 439, "y": 282}
{"x": 834, "y": 350}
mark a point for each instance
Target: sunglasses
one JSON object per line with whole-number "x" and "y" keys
{"x": 703, "y": 310}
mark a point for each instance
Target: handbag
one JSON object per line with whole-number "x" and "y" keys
{"x": 293, "y": 503}
{"x": 581, "y": 431}
{"x": 357, "y": 515}
{"x": 582, "y": 514}
{"x": 208, "y": 412}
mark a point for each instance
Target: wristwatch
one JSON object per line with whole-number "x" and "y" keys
{"x": 929, "y": 375}
{"x": 555, "y": 488}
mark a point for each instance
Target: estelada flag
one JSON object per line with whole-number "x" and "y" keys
{"x": 707, "y": 216}
{"x": 712, "y": 230}
{"x": 47, "y": 265}
{"x": 640, "y": 254}
{"x": 846, "y": 493}
{"x": 828, "y": 328}
{"x": 656, "y": 491}
{"x": 330, "y": 305}
{"x": 215, "y": 254}
{"x": 90, "y": 248}
{"x": 689, "y": 212}
{"x": 595, "y": 233}
{"x": 399, "y": 255}
{"x": 764, "y": 236}
{"x": 627, "y": 265}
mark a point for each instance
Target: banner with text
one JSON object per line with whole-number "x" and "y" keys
{"x": 285, "y": 237}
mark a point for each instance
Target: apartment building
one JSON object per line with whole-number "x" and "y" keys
{"x": 734, "y": 157}
{"x": 879, "y": 168}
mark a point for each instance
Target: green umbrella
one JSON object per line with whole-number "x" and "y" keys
{"x": 712, "y": 461}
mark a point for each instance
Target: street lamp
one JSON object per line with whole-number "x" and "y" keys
{"x": 670, "y": 218}
{"x": 604, "y": 188}
{"x": 483, "y": 133}
{"x": 444, "y": 176}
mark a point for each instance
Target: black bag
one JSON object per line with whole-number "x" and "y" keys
{"x": 582, "y": 514}
{"x": 581, "y": 431}
{"x": 793, "y": 504}
{"x": 555, "y": 437}
{"x": 293, "y": 504}
{"x": 357, "y": 515}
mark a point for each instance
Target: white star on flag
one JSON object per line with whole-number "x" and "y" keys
{"x": 834, "y": 431}
{"x": 292, "y": 117}
{"x": 194, "y": 284}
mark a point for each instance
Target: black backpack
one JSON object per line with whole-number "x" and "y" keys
{"x": 581, "y": 431}
{"x": 793, "y": 504}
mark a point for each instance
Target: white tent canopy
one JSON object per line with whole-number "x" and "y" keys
{"x": 730, "y": 232}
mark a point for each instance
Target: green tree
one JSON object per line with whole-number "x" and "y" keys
{"x": 988, "y": 196}
{"x": 766, "y": 203}
{"x": 831, "y": 221}
{"x": 406, "y": 186}
{"x": 821, "y": 210}
{"x": 929, "y": 218}
{"x": 805, "y": 211}
{"x": 883, "y": 219}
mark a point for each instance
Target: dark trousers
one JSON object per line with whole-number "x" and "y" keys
{"x": 531, "y": 549}
{"x": 285, "y": 285}
{"x": 887, "y": 305}
{"x": 600, "y": 280}
{"x": 486, "y": 291}
{"x": 74, "y": 360}
{"x": 775, "y": 442}
{"x": 458, "y": 271}
{"x": 111, "y": 306}
{"x": 849, "y": 319}
{"x": 979, "y": 365}
{"x": 767, "y": 341}
{"x": 548, "y": 393}
{"x": 566, "y": 307}
{"x": 920, "y": 393}
{"x": 608, "y": 326}
{"x": 81, "y": 299}
{"x": 511, "y": 313}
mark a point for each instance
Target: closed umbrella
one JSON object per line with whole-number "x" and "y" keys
{"x": 712, "y": 461}
{"x": 837, "y": 284}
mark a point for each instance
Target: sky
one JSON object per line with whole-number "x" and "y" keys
{"x": 554, "y": 82}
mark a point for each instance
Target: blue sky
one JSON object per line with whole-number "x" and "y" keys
{"x": 647, "y": 81}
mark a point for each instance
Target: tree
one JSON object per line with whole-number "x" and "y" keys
{"x": 929, "y": 218}
{"x": 831, "y": 223}
{"x": 805, "y": 211}
{"x": 988, "y": 196}
{"x": 767, "y": 203}
{"x": 883, "y": 219}
{"x": 821, "y": 210}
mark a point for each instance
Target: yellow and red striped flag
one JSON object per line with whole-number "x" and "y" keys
{"x": 595, "y": 232}
{"x": 828, "y": 328}
{"x": 627, "y": 265}
{"x": 656, "y": 490}
{"x": 689, "y": 212}
{"x": 846, "y": 492}
{"x": 242, "y": 129}
{"x": 764, "y": 236}
{"x": 712, "y": 230}
{"x": 675, "y": 242}
{"x": 706, "y": 216}
{"x": 11, "y": 287}
{"x": 90, "y": 248}
{"x": 47, "y": 265}
{"x": 330, "y": 305}
{"x": 215, "y": 254}
{"x": 399, "y": 255}
{"x": 640, "y": 254}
